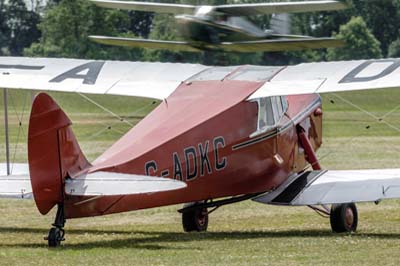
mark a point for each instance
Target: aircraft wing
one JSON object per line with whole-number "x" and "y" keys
{"x": 145, "y": 43}
{"x": 335, "y": 187}
{"x": 147, "y": 6}
{"x": 280, "y": 7}
{"x": 111, "y": 184}
{"x": 325, "y": 77}
{"x": 142, "y": 79}
{"x": 280, "y": 45}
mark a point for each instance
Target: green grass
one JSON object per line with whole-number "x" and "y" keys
{"x": 247, "y": 233}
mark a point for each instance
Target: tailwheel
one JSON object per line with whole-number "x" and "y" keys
{"x": 56, "y": 233}
{"x": 195, "y": 220}
{"x": 344, "y": 217}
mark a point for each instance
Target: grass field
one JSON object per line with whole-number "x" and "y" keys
{"x": 242, "y": 234}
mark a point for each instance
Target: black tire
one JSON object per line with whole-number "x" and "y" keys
{"x": 195, "y": 220}
{"x": 55, "y": 237}
{"x": 344, "y": 218}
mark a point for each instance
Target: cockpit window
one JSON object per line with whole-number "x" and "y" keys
{"x": 270, "y": 111}
{"x": 265, "y": 113}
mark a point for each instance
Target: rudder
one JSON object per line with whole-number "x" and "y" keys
{"x": 53, "y": 152}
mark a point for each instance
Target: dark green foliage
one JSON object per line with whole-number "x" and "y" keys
{"x": 360, "y": 42}
{"x": 18, "y": 27}
{"x": 394, "y": 49}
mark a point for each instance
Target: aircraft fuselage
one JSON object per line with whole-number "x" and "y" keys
{"x": 206, "y": 135}
{"x": 202, "y": 30}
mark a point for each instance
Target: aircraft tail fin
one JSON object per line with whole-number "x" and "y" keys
{"x": 53, "y": 152}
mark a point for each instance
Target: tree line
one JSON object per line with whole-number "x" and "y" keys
{"x": 60, "y": 28}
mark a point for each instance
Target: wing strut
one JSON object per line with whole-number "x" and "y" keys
{"x": 5, "y": 96}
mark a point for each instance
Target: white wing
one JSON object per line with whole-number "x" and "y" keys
{"x": 333, "y": 187}
{"x": 147, "y": 6}
{"x": 142, "y": 79}
{"x": 333, "y": 77}
{"x": 280, "y": 7}
{"x": 110, "y": 184}
{"x": 16, "y": 185}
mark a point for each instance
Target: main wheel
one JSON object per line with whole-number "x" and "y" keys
{"x": 56, "y": 235}
{"x": 195, "y": 220}
{"x": 344, "y": 217}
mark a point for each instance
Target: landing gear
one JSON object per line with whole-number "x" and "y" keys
{"x": 56, "y": 233}
{"x": 344, "y": 217}
{"x": 195, "y": 219}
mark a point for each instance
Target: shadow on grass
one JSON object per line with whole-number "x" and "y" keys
{"x": 152, "y": 240}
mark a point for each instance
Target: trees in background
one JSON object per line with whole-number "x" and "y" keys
{"x": 360, "y": 42}
{"x": 370, "y": 29}
{"x": 18, "y": 27}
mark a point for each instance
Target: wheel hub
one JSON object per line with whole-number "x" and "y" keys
{"x": 349, "y": 217}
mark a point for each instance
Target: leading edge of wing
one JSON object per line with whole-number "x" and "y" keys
{"x": 281, "y": 45}
{"x": 113, "y": 184}
{"x": 280, "y": 7}
{"x": 144, "y": 43}
{"x": 147, "y": 6}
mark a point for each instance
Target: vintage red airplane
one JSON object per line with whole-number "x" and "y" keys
{"x": 220, "y": 135}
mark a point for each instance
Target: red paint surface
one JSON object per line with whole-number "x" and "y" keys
{"x": 194, "y": 114}
{"x": 53, "y": 152}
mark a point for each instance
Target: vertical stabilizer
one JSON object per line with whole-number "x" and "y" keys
{"x": 53, "y": 152}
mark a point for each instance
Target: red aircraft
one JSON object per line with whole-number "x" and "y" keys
{"x": 220, "y": 135}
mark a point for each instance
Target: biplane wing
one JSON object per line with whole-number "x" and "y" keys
{"x": 142, "y": 79}
{"x": 280, "y": 7}
{"x": 145, "y": 43}
{"x": 276, "y": 45}
{"x": 335, "y": 187}
{"x": 234, "y": 9}
{"x": 284, "y": 44}
{"x": 159, "y": 80}
{"x": 147, "y": 6}
{"x": 325, "y": 77}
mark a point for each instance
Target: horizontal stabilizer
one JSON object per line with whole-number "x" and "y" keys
{"x": 147, "y": 6}
{"x": 145, "y": 43}
{"x": 18, "y": 184}
{"x": 112, "y": 184}
{"x": 335, "y": 187}
{"x": 281, "y": 45}
{"x": 280, "y": 7}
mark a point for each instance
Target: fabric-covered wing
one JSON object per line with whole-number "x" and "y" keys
{"x": 280, "y": 7}
{"x": 110, "y": 184}
{"x": 327, "y": 77}
{"x": 18, "y": 184}
{"x": 145, "y": 43}
{"x": 142, "y": 79}
{"x": 280, "y": 45}
{"x": 147, "y": 6}
{"x": 334, "y": 187}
